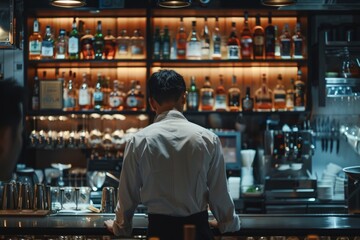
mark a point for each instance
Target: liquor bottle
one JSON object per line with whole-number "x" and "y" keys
{"x": 263, "y": 96}
{"x": 298, "y": 43}
{"x": 70, "y": 102}
{"x": 116, "y": 98}
{"x": 207, "y": 96}
{"x": 233, "y": 43}
{"x": 279, "y": 95}
{"x": 246, "y": 41}
{"x": 84, "y": 94}
{"x": 277, "y": 43}
{"x": 110, "y": 46}
{"x": 73, "y": 42}
{"x": 157, "y": 44}
{"x": 98, "y": 43}
{"x": 220, "y": 96}
{"x": 234, "y": 95}
{"x": 165, "y": 46}
{"x": 290, "y": 96}
{"x": 205, "y": 41}
{"x": 216, "y": 41}
{"x": 123, "y": 43}
{"x": 247, "y": 101}
{"x": 299, "y": 94}
{"x": 98, "y": 94}
{"x": 285, "y": 42}
{"x": 270, "y": 38}
{"x": 258, "y": 36}
{"x": 86, "y": 43}
{"x": 192, "y": 100}
{"x": 134, "y": 97}
{"x": 137, "y": 44}
{"x": 193, "y": 44}
{"x": 61, "y": 45}
{"x": 35, "y": 41}
{"x": 181, "y": 41}
{"x": 35, "y": 98}
{"x": 48, "y": 45}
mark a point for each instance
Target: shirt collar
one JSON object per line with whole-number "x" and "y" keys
{"x": 168, "y": 115}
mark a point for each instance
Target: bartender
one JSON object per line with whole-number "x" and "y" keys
{"x": 11, "y": 126}
{"x": 175, "y": 168}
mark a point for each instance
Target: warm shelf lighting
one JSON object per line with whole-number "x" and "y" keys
{"x": 174, "y": 3}
{"x": 278, "y": 3}
{"x": 68, "y": 3}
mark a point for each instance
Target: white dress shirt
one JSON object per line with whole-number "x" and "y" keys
{"x": 177, "y": 168}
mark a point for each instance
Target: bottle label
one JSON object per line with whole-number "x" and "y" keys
{"x": 217, "y": 48}
{"x": 234, "y": 100}
{"x": 166, "y": 48}
{"x": 123, "y": 48}
{"x": 157, "y": 48}
{"x": 131, "y": 101}
{"x": 298, "y": 48}
{"x": 47, "y": 49}
{"x": 220, "y": 101}
{"x": 285, "y": 47}
{"x": 279, "y": 97}
{"x": 233, "y": 52}
{"x": 258, "y": 40}
{"x": 137, "y": 49}
{"x": 98, "y": 96}
{"x": 193, "y": 49}
{"x": 192, "y": 100}
{"x": 247, "y": 104}
{"x": 35, "y": 47}
{"x": 60, "y": 50}
{"x": 69, "y": 102}
{"x": 207, "y": 99}
{"x": 84, "y": 97}
{"x": 73, "y": 45}
{"x": 115, "y": 101}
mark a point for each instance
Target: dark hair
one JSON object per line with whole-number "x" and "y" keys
{"x": 166, "y": 85}
{"x": 11, "y": 96}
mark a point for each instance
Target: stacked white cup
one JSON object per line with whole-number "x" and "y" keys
{"x": 247, "y": 176}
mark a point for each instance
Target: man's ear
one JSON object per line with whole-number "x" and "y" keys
{"x": 152, "y": 104}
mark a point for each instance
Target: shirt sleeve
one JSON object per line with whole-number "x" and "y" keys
{"x": 220, "y": 201}
{"x": 129, "y": 192}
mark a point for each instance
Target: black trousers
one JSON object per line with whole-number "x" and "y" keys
{"x": 171, "y": 228}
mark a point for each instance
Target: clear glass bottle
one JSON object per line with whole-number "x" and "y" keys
{"x": 277, "y": 43}
{"x": 192, "y": 100}
{"x": 220, "y": 96}
{"x": 269, "y": 38}
{"x": 137, "y": 44}
{"x": 193, "y": 44}
{"x": 48, "y": 45}
{"x": 285, "y": 42}
{"x": 98, "y": 94}
{"x": 70, "y": 100}
{"x": 246, "y": 41}
{"x": 61, "y": 45}
{"x": 86, "y": 43}
{"x": 279, "y": 95}
{"x": 205, "y": 41}
{"x": 165, "y": 46}
{"x": 123, "y": 43}
{"x": 263, "y": 96}
{"x": 259, "y": 39}
{"x": 181, "y": 37}
{"x": 247, "y": 102}
{"x": 98, "y": 43}
{"x": 35, "y": 41}
{"x": 216, "y": 41}
{"x": 207, "y": 96}
{"x": 233, "y": 43}
{"x": 135, "y": 97}
{"x": 234, "y": 95}
{"x": 116, "y": 98}
{"x": 298, "y": 42}
{"x": 84, "y": 94}
{"x": 157, "y": 44}
{"x": 299, "y": 94}
{"x": 74, "y": 42}
{"x": 110, "y": 46}
{"x": 290, "y": 96}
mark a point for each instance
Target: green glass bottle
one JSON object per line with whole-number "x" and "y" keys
{"x": 98, "y": 43}
{"x": 73, "y": 43}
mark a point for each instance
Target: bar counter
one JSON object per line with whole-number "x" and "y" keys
{"x": 251, "y": 225}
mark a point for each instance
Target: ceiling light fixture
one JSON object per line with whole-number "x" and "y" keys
{"x": 278, "y": 3}
{"x": 174, "y": 3}
{"x": 68, "y": 3}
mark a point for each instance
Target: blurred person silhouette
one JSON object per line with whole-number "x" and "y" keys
{"x": 11, "y": 126}
{"x": 176, "y": 169}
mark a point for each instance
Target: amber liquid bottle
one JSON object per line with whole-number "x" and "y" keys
{"x": 220, "y": 96}
{"x": 264, "y": 97}
{"x": 246, "y": 41}
{"x": 247, "y": 101}
{"x": 207, "y": 96}
{"x": 279, "y": 95}
{"x": 259, "y": 36}
{"x": 35, "y": 41}
{"x": 181, "y": 38}
{"x": 233, "y": 44}
{"x": 86, "y": 43}
{"x": 110, "y": 46}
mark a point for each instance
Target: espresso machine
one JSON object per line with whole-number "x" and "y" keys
{"x": 288, "y": 172}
